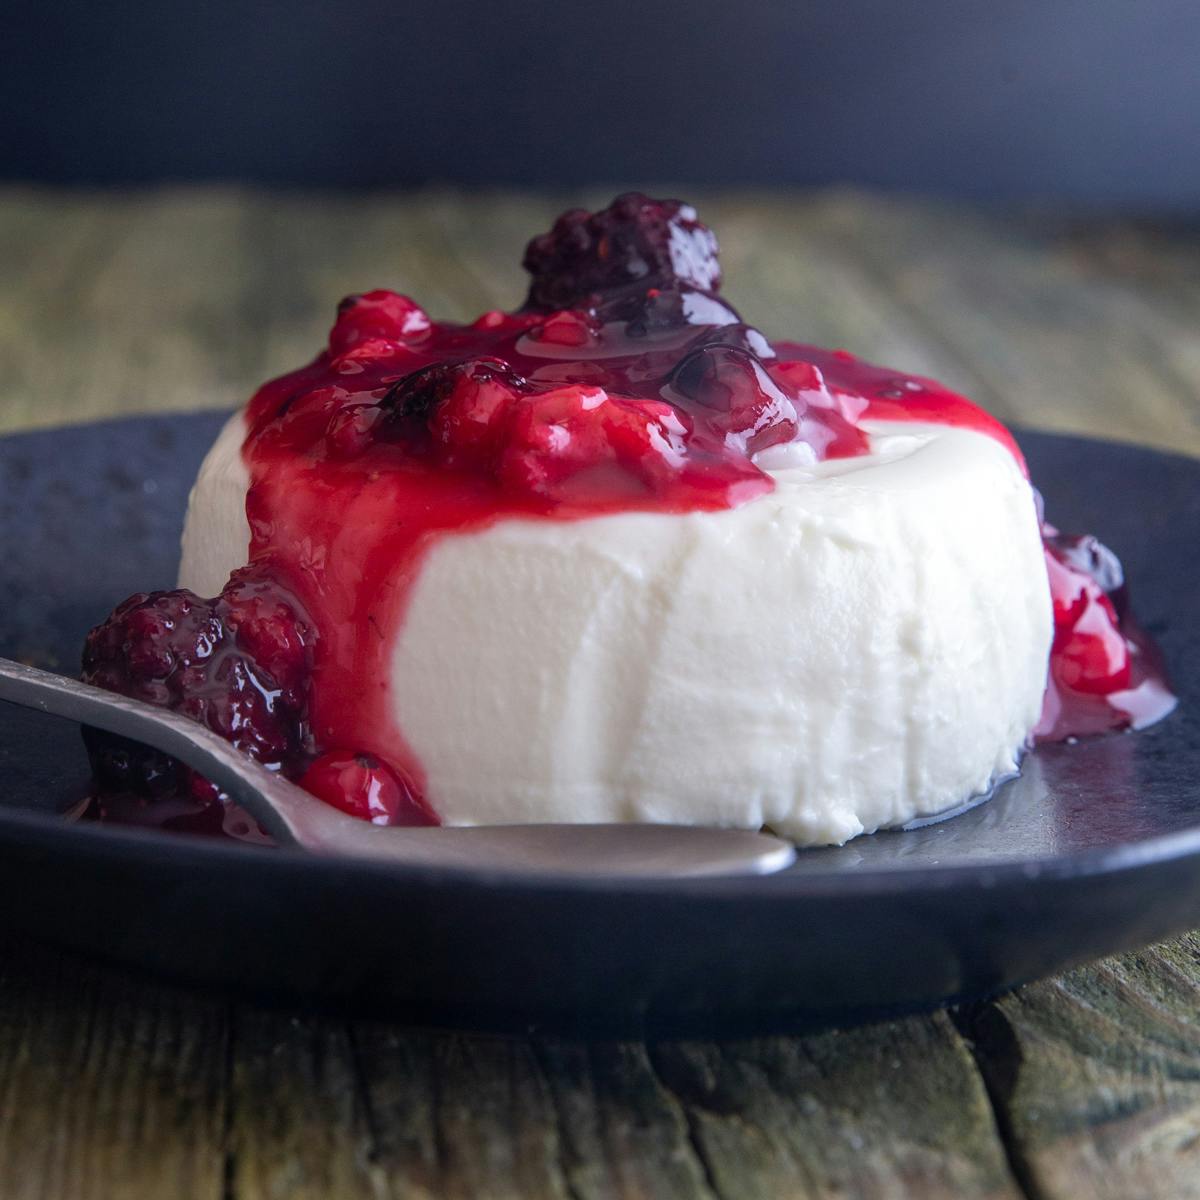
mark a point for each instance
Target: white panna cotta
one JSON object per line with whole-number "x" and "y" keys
{"x": 614, "y": 556}
{"x": 864, "y": 645}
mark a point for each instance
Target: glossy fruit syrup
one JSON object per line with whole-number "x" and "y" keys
{"x": 626, "y": 382}
{"x": 1105, "y": 673}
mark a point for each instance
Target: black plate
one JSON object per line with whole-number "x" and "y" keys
{"x": 1095, "y": 848}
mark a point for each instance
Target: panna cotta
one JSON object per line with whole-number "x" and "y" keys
{"x": 681, "y": 667}
{"x": 615, "y": 557}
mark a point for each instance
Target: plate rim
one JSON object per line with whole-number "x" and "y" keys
{"x": 1117, "y": 859}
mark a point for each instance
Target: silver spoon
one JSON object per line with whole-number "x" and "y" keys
{"x": 296, "y": 819}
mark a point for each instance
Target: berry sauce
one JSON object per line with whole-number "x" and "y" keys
{"x": 626, "y": 382}
{"x": 1105, "y": 673}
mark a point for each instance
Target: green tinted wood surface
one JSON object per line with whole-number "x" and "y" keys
{"x": 112, "y": 1087}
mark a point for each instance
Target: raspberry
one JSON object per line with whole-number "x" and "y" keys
{"x": 475, "y": 399}
{"x": 559, "y": 434}
{"x": 237, "y": 664}
{"x": 361, "y": 785}
{"x": 378, "y": 314}
{"x": 366, "y": 353}
{"x": 458, "y": 406}
{"x": 351, "y": 429}
{"x": 1091, "y": 653}
{"x": 635, "y": 243}
{"x": 566, "y": 328}
{"x": 421, "y": 393}
{"x": 549, "y": 438}
{"x": 303, "y": 419}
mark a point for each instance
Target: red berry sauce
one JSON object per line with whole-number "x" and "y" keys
{"x": 625, "y": 383}
{"x": 1106, "y": 673}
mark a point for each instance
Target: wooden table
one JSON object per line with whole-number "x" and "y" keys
{"x": 1083, "y": 1086}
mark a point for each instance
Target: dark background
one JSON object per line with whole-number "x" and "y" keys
{"x": 1092, "y": 101}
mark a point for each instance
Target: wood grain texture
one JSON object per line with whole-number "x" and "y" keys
{"x": 1097, "y": 1076}
{"x": 115, "y": 1087}
{"x": 145, "y": 302}
{"x": 1088, "y": 1085}
{"x": 108, "y": 1088}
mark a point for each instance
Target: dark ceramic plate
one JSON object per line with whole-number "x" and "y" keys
{"x": 1094, "y": 849}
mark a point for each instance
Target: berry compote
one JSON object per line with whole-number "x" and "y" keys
{"x": 625, "y": 382}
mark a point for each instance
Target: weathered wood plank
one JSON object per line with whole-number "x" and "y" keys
{"x": 790, "y": 277}
{"x": 113, "y": 1087}
{"x": 896, "y": 1110}
{"x": 109, "y": 1088}
{"x": 297, "y": 1126}
{"x": 1096, "y": 1076}
{"x": 188, "y": 298}
{"x": 1057, "y": 348}
{"x": 887, "y": 1110}
{"x": 624, "y": 1134}
{"x": 1161, "y": 265}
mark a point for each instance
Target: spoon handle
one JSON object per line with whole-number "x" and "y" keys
{"x": 276, "y": 804}
{"x": 294, "y": 818}
{"x": 289, "y": 814}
